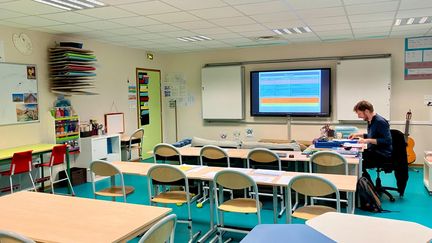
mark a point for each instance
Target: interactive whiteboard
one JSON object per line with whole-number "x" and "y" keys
{"x": 18, "y": 93}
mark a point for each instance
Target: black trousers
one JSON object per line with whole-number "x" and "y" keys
{"x": 372, "y": 159}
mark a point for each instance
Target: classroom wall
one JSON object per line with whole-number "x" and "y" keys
{"x": 405, "y": 94}
{"x": 115, "y": 66}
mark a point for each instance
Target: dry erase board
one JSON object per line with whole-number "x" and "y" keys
{"x": 222, "y": 92}
{"x": 363, "y": 79}
{"x": 114, "y": 123}
{"x": 18, "y": 93}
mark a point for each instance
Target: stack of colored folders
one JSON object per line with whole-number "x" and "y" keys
{"x": 72, "y": 70}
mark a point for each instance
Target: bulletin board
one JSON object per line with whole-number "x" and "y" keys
{"x": 143, "y": 97}
{"x": 114, "y": 123}
{"x": 18, "y": 93}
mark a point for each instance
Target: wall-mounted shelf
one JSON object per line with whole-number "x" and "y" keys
{"x": 67, "y": 132}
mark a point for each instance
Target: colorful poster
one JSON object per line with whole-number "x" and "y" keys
{"x": 418, "y": 58}
{"x": 143, "y": 98}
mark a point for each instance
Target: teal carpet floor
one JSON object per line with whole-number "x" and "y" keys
{"x": 415, "y": 206}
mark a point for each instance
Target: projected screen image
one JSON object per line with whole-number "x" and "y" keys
{"x": 291, "y": 92}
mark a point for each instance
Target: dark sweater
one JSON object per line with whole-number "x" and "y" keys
{"x": 379, "y": 129}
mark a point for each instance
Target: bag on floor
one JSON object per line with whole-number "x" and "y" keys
{"x": 367, "y": 197}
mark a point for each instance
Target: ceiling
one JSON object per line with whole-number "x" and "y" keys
{"x": 155, "y": 25}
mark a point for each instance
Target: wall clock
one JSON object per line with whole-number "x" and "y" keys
{"x": 23, "y": 43}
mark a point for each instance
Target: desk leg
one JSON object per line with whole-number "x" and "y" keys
{"x": 275, "y": 205}
{"x": 351, "y": 202}
{"x": 212, "y": 229}
{"x": 68, "y": 167}
{"x": 360, "y": 165}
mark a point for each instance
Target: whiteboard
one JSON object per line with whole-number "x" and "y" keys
{"x": 222, "y": 92}
{"x": 114, "y": 123}
{"x": 363, "y": 79}
{"x": 18, "y": 93}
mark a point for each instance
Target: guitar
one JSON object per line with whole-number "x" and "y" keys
{"x": 410, "y": 142}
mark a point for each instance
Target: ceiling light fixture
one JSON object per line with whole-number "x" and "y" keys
{"x": 413, "y": 20}
{"x": 295, "y": 30}
{"x": 194, "y": 38}
{"x": 72, "y": 4}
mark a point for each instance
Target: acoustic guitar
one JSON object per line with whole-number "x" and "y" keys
{"x": 410, "y": 142}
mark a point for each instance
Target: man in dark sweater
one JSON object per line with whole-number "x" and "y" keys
{"x": 378, "y": 137}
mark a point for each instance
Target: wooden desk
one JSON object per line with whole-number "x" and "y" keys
{"x": 356, "y": 228}
{"x": 54, "y": 218}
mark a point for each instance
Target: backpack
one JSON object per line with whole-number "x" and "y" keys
{"x": 367, "y": 197}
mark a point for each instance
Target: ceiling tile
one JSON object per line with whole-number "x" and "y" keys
{"x": 333, "y": 33}
{"x": 121, "y": 2}
{"x": 147, "y": 8}
{"x": 384, "y": 23}
{"x": 101, "y": 25}
{"x": 34, "y": 21}
{"x": 126, "y": 31}
{"x": 302, "y": 36}
{"x": 302, "y": 4}
{"x": 327, "y": 20}
{"x": 67, "y": 28}
{"x": 95, "y": 33}
{"x": 372, "y": 17}
{"x": 330, "y": 27}
{"x": 106, "y": 13}
{"x": 257, "y": 33}
{"x": 135, "y": 21}
{"x": 69, "y": 17}
{"x": 213, "y": 30}
{"x": 159, "y": 28}
{"x": 222, "y": 36}
{"x": 149, "y": 36}
{"x": 265, "y": 7}
{"x": 414, "y": 13}
{"x": 372, "y": 7}
{"x": 12, "y": 24}
{"x": 174, "y": 17}
{"x": 304, "y": 40}
{"x": 195, "y": 4}
{"x": 124, "y": 38}
{"x": 238, "y": 2}
{"x": 274, "y": 17}
{"x": 320, "y": 13}
{"x": 193, "y": 25}
{"x": 284, "y": 24}
{"x": 224, "y": 22}
{"x": 215, "y": 13}
{"x": 179, "y": 33}
{"x": 245, "y": 28}
{"x": 415, "y": 4}
{"x": 29, "y": 7}
{"x": 371, "y": 30}
{"x": 351, "y": 2}
{"x": 5, "y": 14}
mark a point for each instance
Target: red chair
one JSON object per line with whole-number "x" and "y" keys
{"x": 21, "y": 163}
{"x": 58, "y": 157}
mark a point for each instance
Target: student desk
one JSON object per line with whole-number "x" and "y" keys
{"x": 346, "y": 183}
{"x": 281, "y": 233}
{"x": 37, "y": 149}
{"x": 356, "y": 228}
{"x": 242, "y": 154}
{"x": 54, "y": 218}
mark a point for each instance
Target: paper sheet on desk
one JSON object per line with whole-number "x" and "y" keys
{"x": 241, "y": 169}
{"x": 353, "y": 145}
{"x": 268, "y": 172}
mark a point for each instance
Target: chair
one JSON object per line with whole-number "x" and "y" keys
{"x": 103, "y": 168}
{"x": 234, "y": 180}
{"x": 166, "y": 152}
{"x": 21, "y": 163}
{"x": 162, "y": 231}
{"x": 58, "y": 157}
{"x": 167, "y": 175}
{"x": 310, "y": 185}
{"x": 397, "y": 163}
{"x": 262, "y": 158}
{"x": 136, "y": 140}
{"x": 12, "y": 237}
{"x": 213, "y": 155}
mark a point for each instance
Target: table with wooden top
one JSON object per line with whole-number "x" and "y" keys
{"x": 288, "y": 156}
{"x": 37, "y": 149}
{"x": 46, "y": 217}
{"x": 346, "y": 183}
{"x": 357, "y": 228}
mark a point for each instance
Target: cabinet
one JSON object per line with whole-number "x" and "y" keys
{"x": 427, "y": 171}
{"x": 67, "y": 132}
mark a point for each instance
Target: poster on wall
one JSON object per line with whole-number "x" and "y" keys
{"x": 175, "y": 89}
{"x": 418, "y": 58}
{"x": 143, "y": 98}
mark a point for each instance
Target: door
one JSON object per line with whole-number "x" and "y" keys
{"x": 149, "y": 107}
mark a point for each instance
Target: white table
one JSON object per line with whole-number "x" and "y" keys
{"x": 356, "y": 228}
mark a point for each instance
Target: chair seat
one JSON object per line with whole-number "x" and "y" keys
{"x": 115, "y": 191}
{"x": 240, "y": 205}
{"x": 309, "y": 212}
{"x": 171, "y": 197}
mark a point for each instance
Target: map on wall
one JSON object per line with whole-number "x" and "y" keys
{"x": 18, "y": 93}
{"x": 418, "y": 58}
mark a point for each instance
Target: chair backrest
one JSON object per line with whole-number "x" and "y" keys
{"x": 214, "y": 154}
{"x": 12, "y": 237}
{"x": 328, "y": 162}
{"x": 21, "y": 162}
{"x": 104, "y": 168}
{"x": 162, "y": 231}
{"x": 166, "y": 151}
{"x": 137, "y": 134}
{"x": 261, "y": 157}
{"x": 167, "y": 175}
{"x": 58, "y": 154}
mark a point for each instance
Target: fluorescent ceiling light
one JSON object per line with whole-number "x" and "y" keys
{"x": 295, "y": 30}
{"x": 72, "y": 4}
{"x": 423, "y": 20}
{"x": 413, "y": 20}
{"x": 398, "y": 22}
{"x": 194, "y": 38}
{"x": 410, "y": 21}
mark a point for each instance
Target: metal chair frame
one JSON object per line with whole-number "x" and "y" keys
{"x": 161, "y": 231}
{"x": 140, "y": 144}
